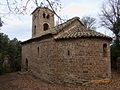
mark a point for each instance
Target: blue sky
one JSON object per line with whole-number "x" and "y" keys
{"x": 20, "y": 26}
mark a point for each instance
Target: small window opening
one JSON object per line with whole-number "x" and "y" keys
{"x": 38, "y": 49}
{"x": 48, "y": 16}
{"x": 68, "y": 53}
{"x": 85, "y": 71}
{"x": 26, "y": 64}
{"x": 43, "y": 15}
{"x": 104, "y": 50}
{"x": 45, "y": 26}
{"x": 35, "y": 30}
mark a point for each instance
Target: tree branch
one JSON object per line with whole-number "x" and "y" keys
{"x": 54, "y": 11}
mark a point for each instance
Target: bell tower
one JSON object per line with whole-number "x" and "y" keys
{"x": 42, "y": 20}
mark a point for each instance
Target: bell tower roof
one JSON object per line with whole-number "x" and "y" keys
{"x": 41, "y": 8}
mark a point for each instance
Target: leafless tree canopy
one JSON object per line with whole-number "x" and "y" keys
{"x": 110, "y": 15}
{"x": 27, "y": 6}
{"x": 24, "y": 6}
{"x": 89, "y": 22}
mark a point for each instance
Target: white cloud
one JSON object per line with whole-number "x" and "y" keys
{"x": 19, "y": 28}
{"x": 74, "y": 9}
{"x": 19, "y": 31}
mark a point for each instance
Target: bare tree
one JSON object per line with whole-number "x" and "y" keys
{"x": 26, "y": 6}
{"x": 110, "y": 16}
{"x": 89, "y": 22}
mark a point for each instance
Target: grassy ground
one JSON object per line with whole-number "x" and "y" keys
{"x": 15, "y": 81}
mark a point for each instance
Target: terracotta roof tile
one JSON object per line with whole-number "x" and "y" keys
{"x": 54, "y": 30}
{"x": 59, "y": 28}
{"x": 74, "y": 32}
{"x": 79, "y": 31}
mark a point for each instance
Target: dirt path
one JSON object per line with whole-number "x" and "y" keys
{"x": 15, "y": 81}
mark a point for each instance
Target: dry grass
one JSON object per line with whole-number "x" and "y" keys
{"x": 15, "y": 81}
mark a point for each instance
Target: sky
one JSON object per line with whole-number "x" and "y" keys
{"x": 20, "y": 26}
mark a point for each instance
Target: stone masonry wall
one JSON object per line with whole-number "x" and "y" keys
{"x": 67, "y": 61}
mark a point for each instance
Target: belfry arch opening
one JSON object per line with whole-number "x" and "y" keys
{"x": 48, "y": 16}
{"x": 45, "y": 26}
{"x": 44, "y": 15}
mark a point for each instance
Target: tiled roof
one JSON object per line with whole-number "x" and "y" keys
{"x": 78, "y": 31}
{"x": 55, "y": 30}
{"x": 60, "y": 27}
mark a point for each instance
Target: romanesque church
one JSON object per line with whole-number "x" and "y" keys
{"x": 65, "y": 53}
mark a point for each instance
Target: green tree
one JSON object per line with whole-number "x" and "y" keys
{"x": 12, "y": 50}
{"x": 115, "y": 53}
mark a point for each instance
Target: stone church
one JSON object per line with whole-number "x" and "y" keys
{"x": 65, "y": 53}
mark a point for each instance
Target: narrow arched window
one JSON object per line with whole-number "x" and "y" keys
{"x": 68, "y": 53}
{"x": 43, "y": 15}
{"x": 35, "y": 30}
{"x": 45, "y": 26}
{"x": 26, "y": 62}
{"x": 48, "y": 16}
{"x": 38, "y": 50}
{"x": 104, "y": 50}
